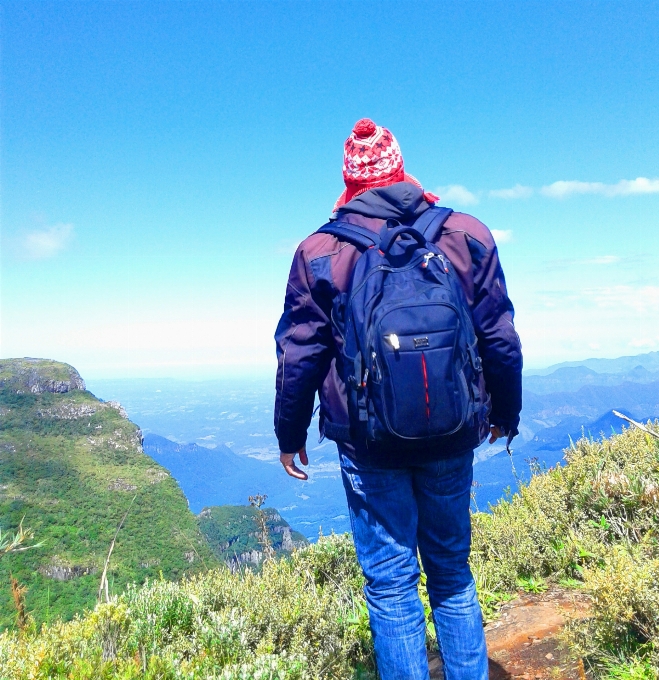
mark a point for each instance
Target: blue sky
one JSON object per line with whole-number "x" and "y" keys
{"x": 160, "y": 161}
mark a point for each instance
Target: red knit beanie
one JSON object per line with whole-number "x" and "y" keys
{"x": 372, "y": 158}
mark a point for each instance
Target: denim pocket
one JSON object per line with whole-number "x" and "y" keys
{"x": 373, "y": 480}
{"x": 368, "y": 479}
{"x": 450, "y": 476}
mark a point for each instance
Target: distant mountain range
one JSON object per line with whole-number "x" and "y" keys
{"x": 234, "y": 452}
{"x": 582, "y": 403}
{"x": 218, "y": 476}
{"x": 590, "y": 402}
{"x": 649, "y": 361}
{"x": 571, "y": 379}
{"x": 209, "y": 476}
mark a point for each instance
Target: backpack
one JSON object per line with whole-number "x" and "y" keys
{"x": 409, "y": 360}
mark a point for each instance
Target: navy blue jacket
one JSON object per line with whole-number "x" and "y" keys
{"x": 322, "y": 266}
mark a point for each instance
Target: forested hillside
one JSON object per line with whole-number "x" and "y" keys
{"x": 71, "y": 466}
{"x": 235, "y": 535}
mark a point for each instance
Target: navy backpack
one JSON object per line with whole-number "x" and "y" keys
{"x": 410, "y": 361}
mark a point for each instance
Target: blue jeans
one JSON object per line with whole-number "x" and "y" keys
{"x": 394, "y": 513}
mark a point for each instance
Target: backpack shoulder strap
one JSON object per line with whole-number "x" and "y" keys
{"x": 353, "y": 233}
{"x": 431, "y": 222}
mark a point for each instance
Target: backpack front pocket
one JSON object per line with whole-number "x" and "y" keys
{"x": 424, "y": 392}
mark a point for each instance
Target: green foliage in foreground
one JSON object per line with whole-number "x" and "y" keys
{"x": 69, "y": 468}
{"x": 592, "y": 523}
{"x": 300, "y": 617}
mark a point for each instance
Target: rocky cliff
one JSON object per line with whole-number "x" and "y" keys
{"x": 70, "y": 467}
{"x": 234, "y": 536}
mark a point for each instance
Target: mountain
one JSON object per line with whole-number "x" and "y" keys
{"x": 234, "y": 535}
{"x": 589, "y": 402}
{"x": 551, "y": 419}
{"x": 573, "y": 428}
{"x": 649, "y": 361}
{"x": 573, "y": 378}
{"x": 499, "y": 472}
{"x": 214, "y": 476}
{"x": 71, "y": 466}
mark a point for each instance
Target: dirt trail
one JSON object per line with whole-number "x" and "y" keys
{"x": 522, "y": 642}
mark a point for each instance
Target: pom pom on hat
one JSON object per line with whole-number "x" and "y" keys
{"x": 372, "y": 158}
{"x": 364, "y": 128}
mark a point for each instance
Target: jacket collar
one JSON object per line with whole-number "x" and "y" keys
{"x": 402, "y": 201}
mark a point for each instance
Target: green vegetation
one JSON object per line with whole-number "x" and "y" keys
{"x": 233, "y": 536}
{"x": 300, "y": 617}
{"x": 590, "y": 525}
{"x": 69, "y": 467}
{"x": 594, "y": 524}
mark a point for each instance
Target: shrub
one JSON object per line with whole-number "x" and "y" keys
{"x": 302, "y": 617}
{"x": 592, "y": 522}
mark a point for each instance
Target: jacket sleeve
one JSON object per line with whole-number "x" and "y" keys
{"x": 498, "y": 343}
{"x": 304, "y": 351}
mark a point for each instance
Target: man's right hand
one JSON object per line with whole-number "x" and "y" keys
{"x": 288, "y": 461}
{"x": 496, "y": 433}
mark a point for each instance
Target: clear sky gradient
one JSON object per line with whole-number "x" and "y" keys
{"x": 160, "y": 162}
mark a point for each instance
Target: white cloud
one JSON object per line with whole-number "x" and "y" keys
{"x": 602, "y": 259}
{"x": 643, "y": 343}
{"x": 502, "y": 235}
{"x": 642, "y": 299}
{"x": 47, "y": 242}
{"x": 518, "y": 191}
{"x": 456, "y": 193}
{"x": 640, "y": 185}
{"x": 287, "y": 247}
{"x": 595, "y": 261}
{"x": 625, "y": 187}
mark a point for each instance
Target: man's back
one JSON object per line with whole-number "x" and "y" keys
{"x": 321, "y": 271}
{"x": 401, "y": 504}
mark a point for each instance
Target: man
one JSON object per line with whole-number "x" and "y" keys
{"x": 400, "y": 505}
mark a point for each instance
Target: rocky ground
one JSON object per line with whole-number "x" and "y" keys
{"x": 522, "y": 642}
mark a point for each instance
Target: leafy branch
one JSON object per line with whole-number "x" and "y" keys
{"x": 11, "y": 543}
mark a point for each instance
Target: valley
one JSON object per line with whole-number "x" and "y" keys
{"x": 228, "y": 425}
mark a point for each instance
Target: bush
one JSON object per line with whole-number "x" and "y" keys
{"x": 302, "y": 617}
{"x": 592, "y": 523}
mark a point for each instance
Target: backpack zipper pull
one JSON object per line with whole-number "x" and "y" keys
{"x": 375, "y": 367}
{"x": 444, "y": 262}
{"x": 426, "y": 258}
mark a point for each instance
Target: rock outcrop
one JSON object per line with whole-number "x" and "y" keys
{"x": 27, "y": 375}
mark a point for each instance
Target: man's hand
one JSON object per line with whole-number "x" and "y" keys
{"x": 288, "y": 461}
{"x": 495, "y": 433}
